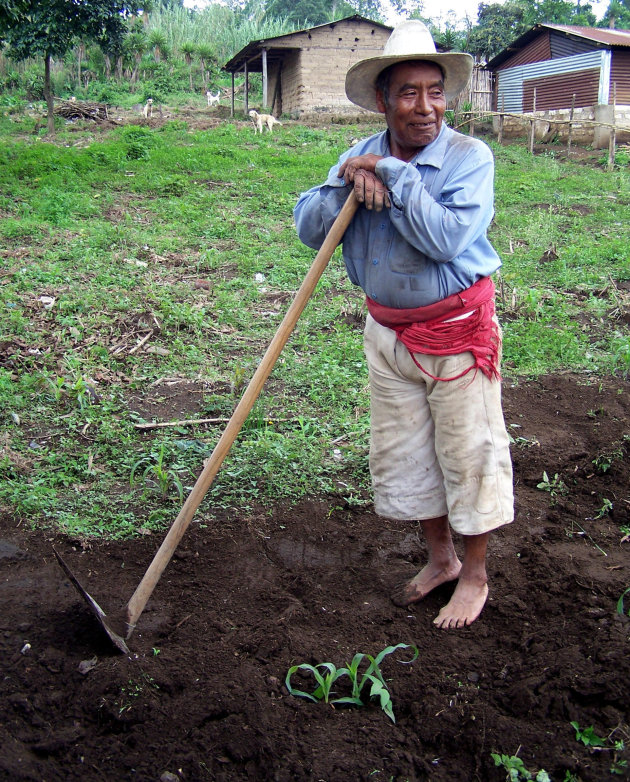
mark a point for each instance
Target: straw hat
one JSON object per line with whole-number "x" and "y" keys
{"x": 410, "y": 40}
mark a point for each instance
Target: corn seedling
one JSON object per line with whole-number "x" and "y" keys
{"x": 162, "y": 475}
{"x": 371, "y": 676}
{"x": 516, "y": 770}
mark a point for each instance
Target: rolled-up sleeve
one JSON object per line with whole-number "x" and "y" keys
{"x": 316, "y": 210}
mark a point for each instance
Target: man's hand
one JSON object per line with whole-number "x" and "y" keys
{"x": 368, "y": 188}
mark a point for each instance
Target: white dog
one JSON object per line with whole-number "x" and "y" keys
{"x": 263, "y": 119}
{"x": 148, "y": 108}
{"x": 213, "y": 99}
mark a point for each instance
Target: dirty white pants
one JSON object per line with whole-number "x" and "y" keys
{"x": 437, "y": 448}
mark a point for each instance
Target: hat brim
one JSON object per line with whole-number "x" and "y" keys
{"x": 361, "y": 78}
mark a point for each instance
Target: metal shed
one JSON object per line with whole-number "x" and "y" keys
{"x": 560, "y": 62}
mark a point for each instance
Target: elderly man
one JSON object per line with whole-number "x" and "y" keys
{"x": 417, "y": 246}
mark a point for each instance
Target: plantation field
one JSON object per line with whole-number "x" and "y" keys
{"x": 145, "y": 267}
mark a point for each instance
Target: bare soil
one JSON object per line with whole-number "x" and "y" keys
{"x": 202, "y": 695}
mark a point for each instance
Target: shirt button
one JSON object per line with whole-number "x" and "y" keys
{"x": 383, "y": 226}
{"x": 374, "y": 261}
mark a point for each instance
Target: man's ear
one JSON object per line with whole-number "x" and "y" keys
{"x": 380, "y": 102}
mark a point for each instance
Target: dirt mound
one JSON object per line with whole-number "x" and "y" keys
{"x": 202, "y": 695}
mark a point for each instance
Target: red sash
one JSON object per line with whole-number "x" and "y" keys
{"x": 428, "y": 330}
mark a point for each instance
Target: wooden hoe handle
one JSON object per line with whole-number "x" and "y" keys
{"x": 139, "y": 599}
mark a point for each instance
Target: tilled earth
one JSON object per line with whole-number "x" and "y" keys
{"x": 201, "y": 696}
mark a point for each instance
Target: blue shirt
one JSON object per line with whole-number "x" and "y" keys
{"x": 432, "y": 240}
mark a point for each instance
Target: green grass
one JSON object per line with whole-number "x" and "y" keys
{"x": 117, "y": 228}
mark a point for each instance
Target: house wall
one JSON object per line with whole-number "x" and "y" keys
{"x": 535, "y": 51}
{"x": 511, "y": 82}
{"x": 556, "y": 92}
{"x": 313, "y": 78}
{"x": 549, "y": 45}
{"x": 620, "y": 76}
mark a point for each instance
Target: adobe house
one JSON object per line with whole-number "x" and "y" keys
{"x": 565, "y": 67}
{"x": 304, "y": 72}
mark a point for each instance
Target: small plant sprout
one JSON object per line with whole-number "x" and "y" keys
{"x": 587, "y": 736}
{"x": 595, "y": 743}
{"x": 620, "y": 603}
{"x": 326, "y": 674}
{"x": 516, "y": 770}
{"x": 156, "y": 470}
{"x": 554, "y": 486}
{"x": 605, "y": 508}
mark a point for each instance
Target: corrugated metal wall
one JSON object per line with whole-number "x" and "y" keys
{"x": 564, "y": 46}
{"x": 536, "y": 51}
{"x": 549, "y": 45}
{"x": 510, "y": 81}
{"x": 620, "y": 74}
{"x": 556, "y": 92}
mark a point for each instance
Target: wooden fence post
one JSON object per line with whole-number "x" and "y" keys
{"x": 613, "y": 131}
{"x": 570, "y": 125}
{"x": 501, "y": 120}
{"x": 532, "y": 130}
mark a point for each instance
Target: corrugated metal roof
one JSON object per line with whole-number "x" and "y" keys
{"x": 602, "y": 37}
{"x": 599, "y": 34}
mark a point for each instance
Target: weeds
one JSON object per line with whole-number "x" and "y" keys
{"x": 516, "y": 770}
{"x": 587, "y": 736}
{"x": 327, "y": 674}
{"x": 555, "y": 486}
{"x": 139, "y": 217}
{"x": 595, "y": 743}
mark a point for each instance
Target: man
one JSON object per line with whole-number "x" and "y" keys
{"x": 417, "y": 246}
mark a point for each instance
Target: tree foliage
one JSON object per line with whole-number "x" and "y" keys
{"x": 49, "y": 28}
{"x": 617, "y": 15}
{"x": 499, "y": 25}
{"x": 304, "y": 13}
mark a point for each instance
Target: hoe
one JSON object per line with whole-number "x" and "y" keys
{"x": 120, "y": 626}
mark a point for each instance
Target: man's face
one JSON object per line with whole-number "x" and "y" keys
{"x": 415, "y": 106}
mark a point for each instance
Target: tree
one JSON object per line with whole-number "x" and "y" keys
{"x": 307, "y": 12}
{"x": 136, "y": 45}
{"x": 188, "y": 49}
{"x": 497, "y": 26}
{"x": 557, "y": 12}
{"x": 617, "y": 15}
{"x": 50, "y": 28}
{"x": 159, "y": 45}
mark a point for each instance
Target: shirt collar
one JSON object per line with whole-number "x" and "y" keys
{"x": 431, "y": 155}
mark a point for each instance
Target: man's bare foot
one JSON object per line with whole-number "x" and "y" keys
{"x": 464, "y": 606}
{"x": 421, "y": 584}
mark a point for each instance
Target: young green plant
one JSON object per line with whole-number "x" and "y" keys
{"x": 516, "y": 770}
{"x": 358, "y": 681}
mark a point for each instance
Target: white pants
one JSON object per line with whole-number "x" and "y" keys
{"x": 437, "y": 447}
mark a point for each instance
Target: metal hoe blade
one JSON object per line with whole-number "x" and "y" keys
{"x": 98, "y": 612}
